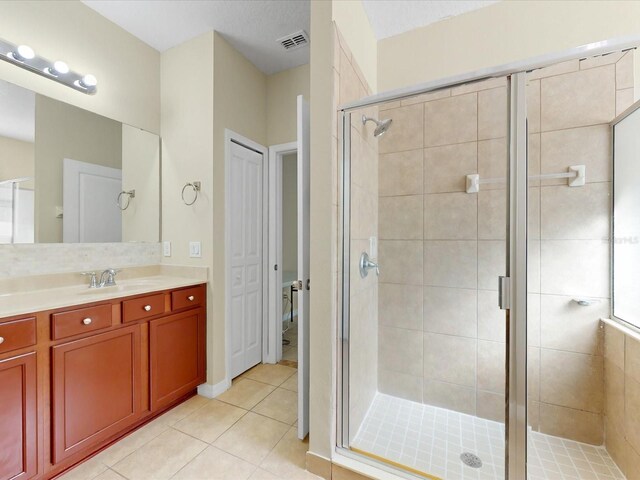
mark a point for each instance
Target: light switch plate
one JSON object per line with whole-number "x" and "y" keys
{"x": 195, "y": 250}
{"x": 166, "y": 249}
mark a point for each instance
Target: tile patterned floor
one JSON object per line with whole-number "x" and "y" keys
{"x": 247, "y": 433}
{"x": 431, "y": 439}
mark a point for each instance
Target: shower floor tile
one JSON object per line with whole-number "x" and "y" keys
{"x": 430, "y": 440}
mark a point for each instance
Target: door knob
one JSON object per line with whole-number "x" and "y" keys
{"x": 191, "y": 298}
{"x": 147, "y": 308}
{"x": 87, "y": 321}
{"x": 1, "y": 340}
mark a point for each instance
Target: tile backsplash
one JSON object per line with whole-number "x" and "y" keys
{"x": 42, "y": 259}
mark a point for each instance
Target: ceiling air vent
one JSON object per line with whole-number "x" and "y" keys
{"x": 294, "y": 40}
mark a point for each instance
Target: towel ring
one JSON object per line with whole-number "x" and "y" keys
{"x": 196, "y": 188}
{"x": 130, "y": 194}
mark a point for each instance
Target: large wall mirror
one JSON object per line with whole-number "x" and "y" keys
{"x": 626, "y": 216}
{"x": 68, "y": 175}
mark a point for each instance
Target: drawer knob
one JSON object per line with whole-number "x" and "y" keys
{"x": 147, "y": 308}
{"x": 87, "y": 321}
{"x": 191, "y": 298}
{"x": 1, "y": 340}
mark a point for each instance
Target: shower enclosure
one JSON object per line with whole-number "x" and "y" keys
{"x": 475, "y": 266}
{"x": 16, "y": 211}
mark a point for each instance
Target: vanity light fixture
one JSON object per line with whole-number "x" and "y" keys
{"x": 24, "y": 56}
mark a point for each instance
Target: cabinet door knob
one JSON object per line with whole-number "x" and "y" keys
{"x": 191, "y": 298}
{"x": 147, "y": 308}
{"x": 1, "y": 340}
{"x": 87, "y": 321}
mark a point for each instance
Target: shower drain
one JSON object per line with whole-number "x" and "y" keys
{"x": 471, "y": 460}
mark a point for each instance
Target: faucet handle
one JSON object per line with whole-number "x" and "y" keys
{"x": 93, "y": 281}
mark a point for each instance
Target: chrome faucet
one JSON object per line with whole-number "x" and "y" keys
{"x": 111, "y": 278}
{"x": 109, "y": 281}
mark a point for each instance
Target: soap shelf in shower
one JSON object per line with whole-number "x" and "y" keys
{"x": 575, "y": 175}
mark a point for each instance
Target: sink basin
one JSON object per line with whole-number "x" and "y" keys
{"x": 120, "y": 288}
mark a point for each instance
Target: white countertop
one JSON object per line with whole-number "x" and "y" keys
{"x": 39, "y": 298}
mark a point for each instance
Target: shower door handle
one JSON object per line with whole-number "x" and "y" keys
{"x": 504, "y": 293}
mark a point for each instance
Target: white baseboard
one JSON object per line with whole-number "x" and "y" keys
{"x": 212, "y": 391}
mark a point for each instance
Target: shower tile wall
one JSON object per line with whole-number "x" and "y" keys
{"x": 441, "y": 249}
{"x": 622, "y": 400}
{"x": 441, "y": 335}
{"x": 570, "y": 106}
{"x": 351, "y": 85}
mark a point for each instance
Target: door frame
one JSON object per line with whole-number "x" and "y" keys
{"x": 276, "y": 155}
{"x": 233, "y": 137}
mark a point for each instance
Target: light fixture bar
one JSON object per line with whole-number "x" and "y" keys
{"x": 58, "y": 71}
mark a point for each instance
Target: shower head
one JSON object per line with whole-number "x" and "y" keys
{"x": 381, "y": 125}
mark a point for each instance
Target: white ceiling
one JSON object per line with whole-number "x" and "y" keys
{"x": 251, "y": 26}
{"x": 393, "y": 17}
{"x": 17, "y": 112}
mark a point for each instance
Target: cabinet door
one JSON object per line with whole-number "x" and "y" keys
{"x": 95, "y": 389}
{"x": 177, "y": 346}
{"x": 18, "y": 418}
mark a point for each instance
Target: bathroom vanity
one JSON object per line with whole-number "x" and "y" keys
{"x": 78, "y": 376}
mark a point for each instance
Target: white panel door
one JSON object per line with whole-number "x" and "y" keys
{"x": 246, "y": 258}
{"x": 303, "y": 266}
{"x": 89, "y": 196}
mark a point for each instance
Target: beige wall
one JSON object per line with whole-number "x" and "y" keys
{"x": 128, "y": 70}
{"x": 622, "y": 399}
{"x": 239, "y": 105}
{"x": 501, "y": 33}
{"x": 64, "y": 131}
{"x": 187, "y": 155}
{"x": 16, "y": 160}
{"x": 353, "y": 24}
{"x": 283, "y": 89}
{"x": 323, "y": 236}
{"x": 141, "y": 172}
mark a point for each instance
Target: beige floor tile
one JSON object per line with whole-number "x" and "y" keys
{"x": 214, "y": 464}
{"x": 271, "y": 374}
{"x": 288, "y": 458}
{"x": 109, "y": 475}
{"x": 291, "y": 353}
{"x": 211, "y": 421}
{"x": 252, "y": 437}
{"x": 291, "y": 383}
{"x": 160, "y": 458}
{"x": 261, "y": 474}
{"x": 89, "y": 469}
{"x": 246, "y": 393}
{"x": 280, "y": 405}
{"x": 131, "y": 443}
{"x": 184, "y": 409}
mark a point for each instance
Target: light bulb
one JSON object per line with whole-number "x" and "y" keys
{"x": 60, "y": 67}
{"x": 89, "y": 81}
{"x": 23, "y": 53}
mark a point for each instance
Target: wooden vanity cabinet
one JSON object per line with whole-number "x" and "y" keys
{"x": 74, "y": 380}
{"x": 95, "y": 389}
{"x": 18, "y": 417}
{"x": 177, "y": 352}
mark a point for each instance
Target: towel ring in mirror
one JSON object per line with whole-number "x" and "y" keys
{"x": 130, "y": 194}
{"x": 196, "y": 189}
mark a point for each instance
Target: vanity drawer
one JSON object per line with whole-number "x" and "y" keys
{"x": 189, "y": 297}
{"x": 17, "y": 334}
{"x": 82, "y": 320}
{"x": 143, "y": 307}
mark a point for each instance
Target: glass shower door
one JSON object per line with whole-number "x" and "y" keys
{"x": 425, "y": 240}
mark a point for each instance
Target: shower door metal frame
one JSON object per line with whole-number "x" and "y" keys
{"x": 516, "y": 437}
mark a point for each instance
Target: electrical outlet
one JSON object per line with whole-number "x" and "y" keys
{"x": 195, "y": 250}
{"x": 166, "y": 249}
